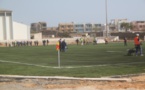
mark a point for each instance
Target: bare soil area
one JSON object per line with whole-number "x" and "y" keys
{"x": 136, "y": 83}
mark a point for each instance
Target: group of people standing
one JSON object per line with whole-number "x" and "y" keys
{"x": 45, "y": 42}
{"x": 82, "y": 41}
{"x": 18, "y": 43}
{"x": 26, "y": 43}
{"x": 62, "y": 45}
{"x": 87, "y": 41}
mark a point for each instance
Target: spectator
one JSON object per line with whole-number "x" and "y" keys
{"x": 77, "y": 41}
{"x": 44, "y": 42}
{"x": 106, "y": 41}
{"x": 125, "y": 41}
{"x": 47, "y": 41}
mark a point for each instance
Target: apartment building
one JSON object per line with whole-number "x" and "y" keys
{"x": 98, "y": 27}
{"x": 66, "y": 27}
{"x": 115, "y": 25}
{"x": 37, "y": 27}
{"x": 138, "y": 25}
{"x": 52, "y": 29}
{"x": 88, "y": 27}
{"x": 79, "y": 27}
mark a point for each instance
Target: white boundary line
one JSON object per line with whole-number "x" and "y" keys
{"x": 66, "y": 78}
{"x": 4, "y": 61}
{"x": 114, "y": 51}
{"x": 24, "y": 63}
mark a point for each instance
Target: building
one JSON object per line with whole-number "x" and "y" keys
{"x": 21, "y": 31}
{"x": 6, "y": 25}
{"x": 52, "y": 29}
{"x": 10, "y": 30}
{"x": 66, "y": 27}
{"x": 98, "y": 27}
{"x": 115, "y": 25}
{"x": 79, "y": 27}
{"x": 88, "y": 27}
{"x": 138, "y": 26}
{"x": 37, "y": 27}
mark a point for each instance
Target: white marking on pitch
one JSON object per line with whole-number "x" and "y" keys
{"x": 128, "y": 63}
{"x": 23, "y": 63}
{"x": 67, "y": 78}
{"x": 114, "y": 51}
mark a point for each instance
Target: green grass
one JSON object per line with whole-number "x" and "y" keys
{"x": 84, "y": 61}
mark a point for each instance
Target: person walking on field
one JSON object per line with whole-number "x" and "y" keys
{"x": 137, "y": 44}
{"x": 125, "y": 41}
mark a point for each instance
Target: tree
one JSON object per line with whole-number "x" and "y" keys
{"x": 126, "y": 26}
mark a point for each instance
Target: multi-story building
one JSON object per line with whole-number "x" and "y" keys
{"x": 52, "y": 28}
{"x": 98, "y": 27}
{"x": 138, "y": 25}
{"x": 37, "y": 27}
{"x": 88, "y": 27}
{"x": 79, "y": 27}
{"x": 115, "y": 25}
{"x": 43, "y": 25}
{"x": 66, "y": 27}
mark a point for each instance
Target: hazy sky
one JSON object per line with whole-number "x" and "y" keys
{"x": 79, "y": 11}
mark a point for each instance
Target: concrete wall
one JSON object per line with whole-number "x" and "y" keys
{"x": 37, "y": 36}
{"x": 21, "y": 31}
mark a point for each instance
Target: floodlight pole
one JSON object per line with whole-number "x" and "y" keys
{"x": 106, "y": 18}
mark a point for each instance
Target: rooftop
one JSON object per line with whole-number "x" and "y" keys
{"x": 4, "y": 10}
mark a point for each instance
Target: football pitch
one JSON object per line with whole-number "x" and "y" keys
{"x": 78, "y": 61}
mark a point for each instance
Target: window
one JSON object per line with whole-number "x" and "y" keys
{"x": 44, "y": 25}
{"x": 2, "y": 14}
{"x": 140, "y": 26}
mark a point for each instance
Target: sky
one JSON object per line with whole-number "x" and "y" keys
{"x": 54, "y": 12}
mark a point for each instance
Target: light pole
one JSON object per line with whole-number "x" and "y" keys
{"x": 106, "y": 18}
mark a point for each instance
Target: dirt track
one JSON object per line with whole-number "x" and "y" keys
{"x": 137, "y": 83}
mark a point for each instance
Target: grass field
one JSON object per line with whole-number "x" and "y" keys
{"x": 78, "y": 61}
